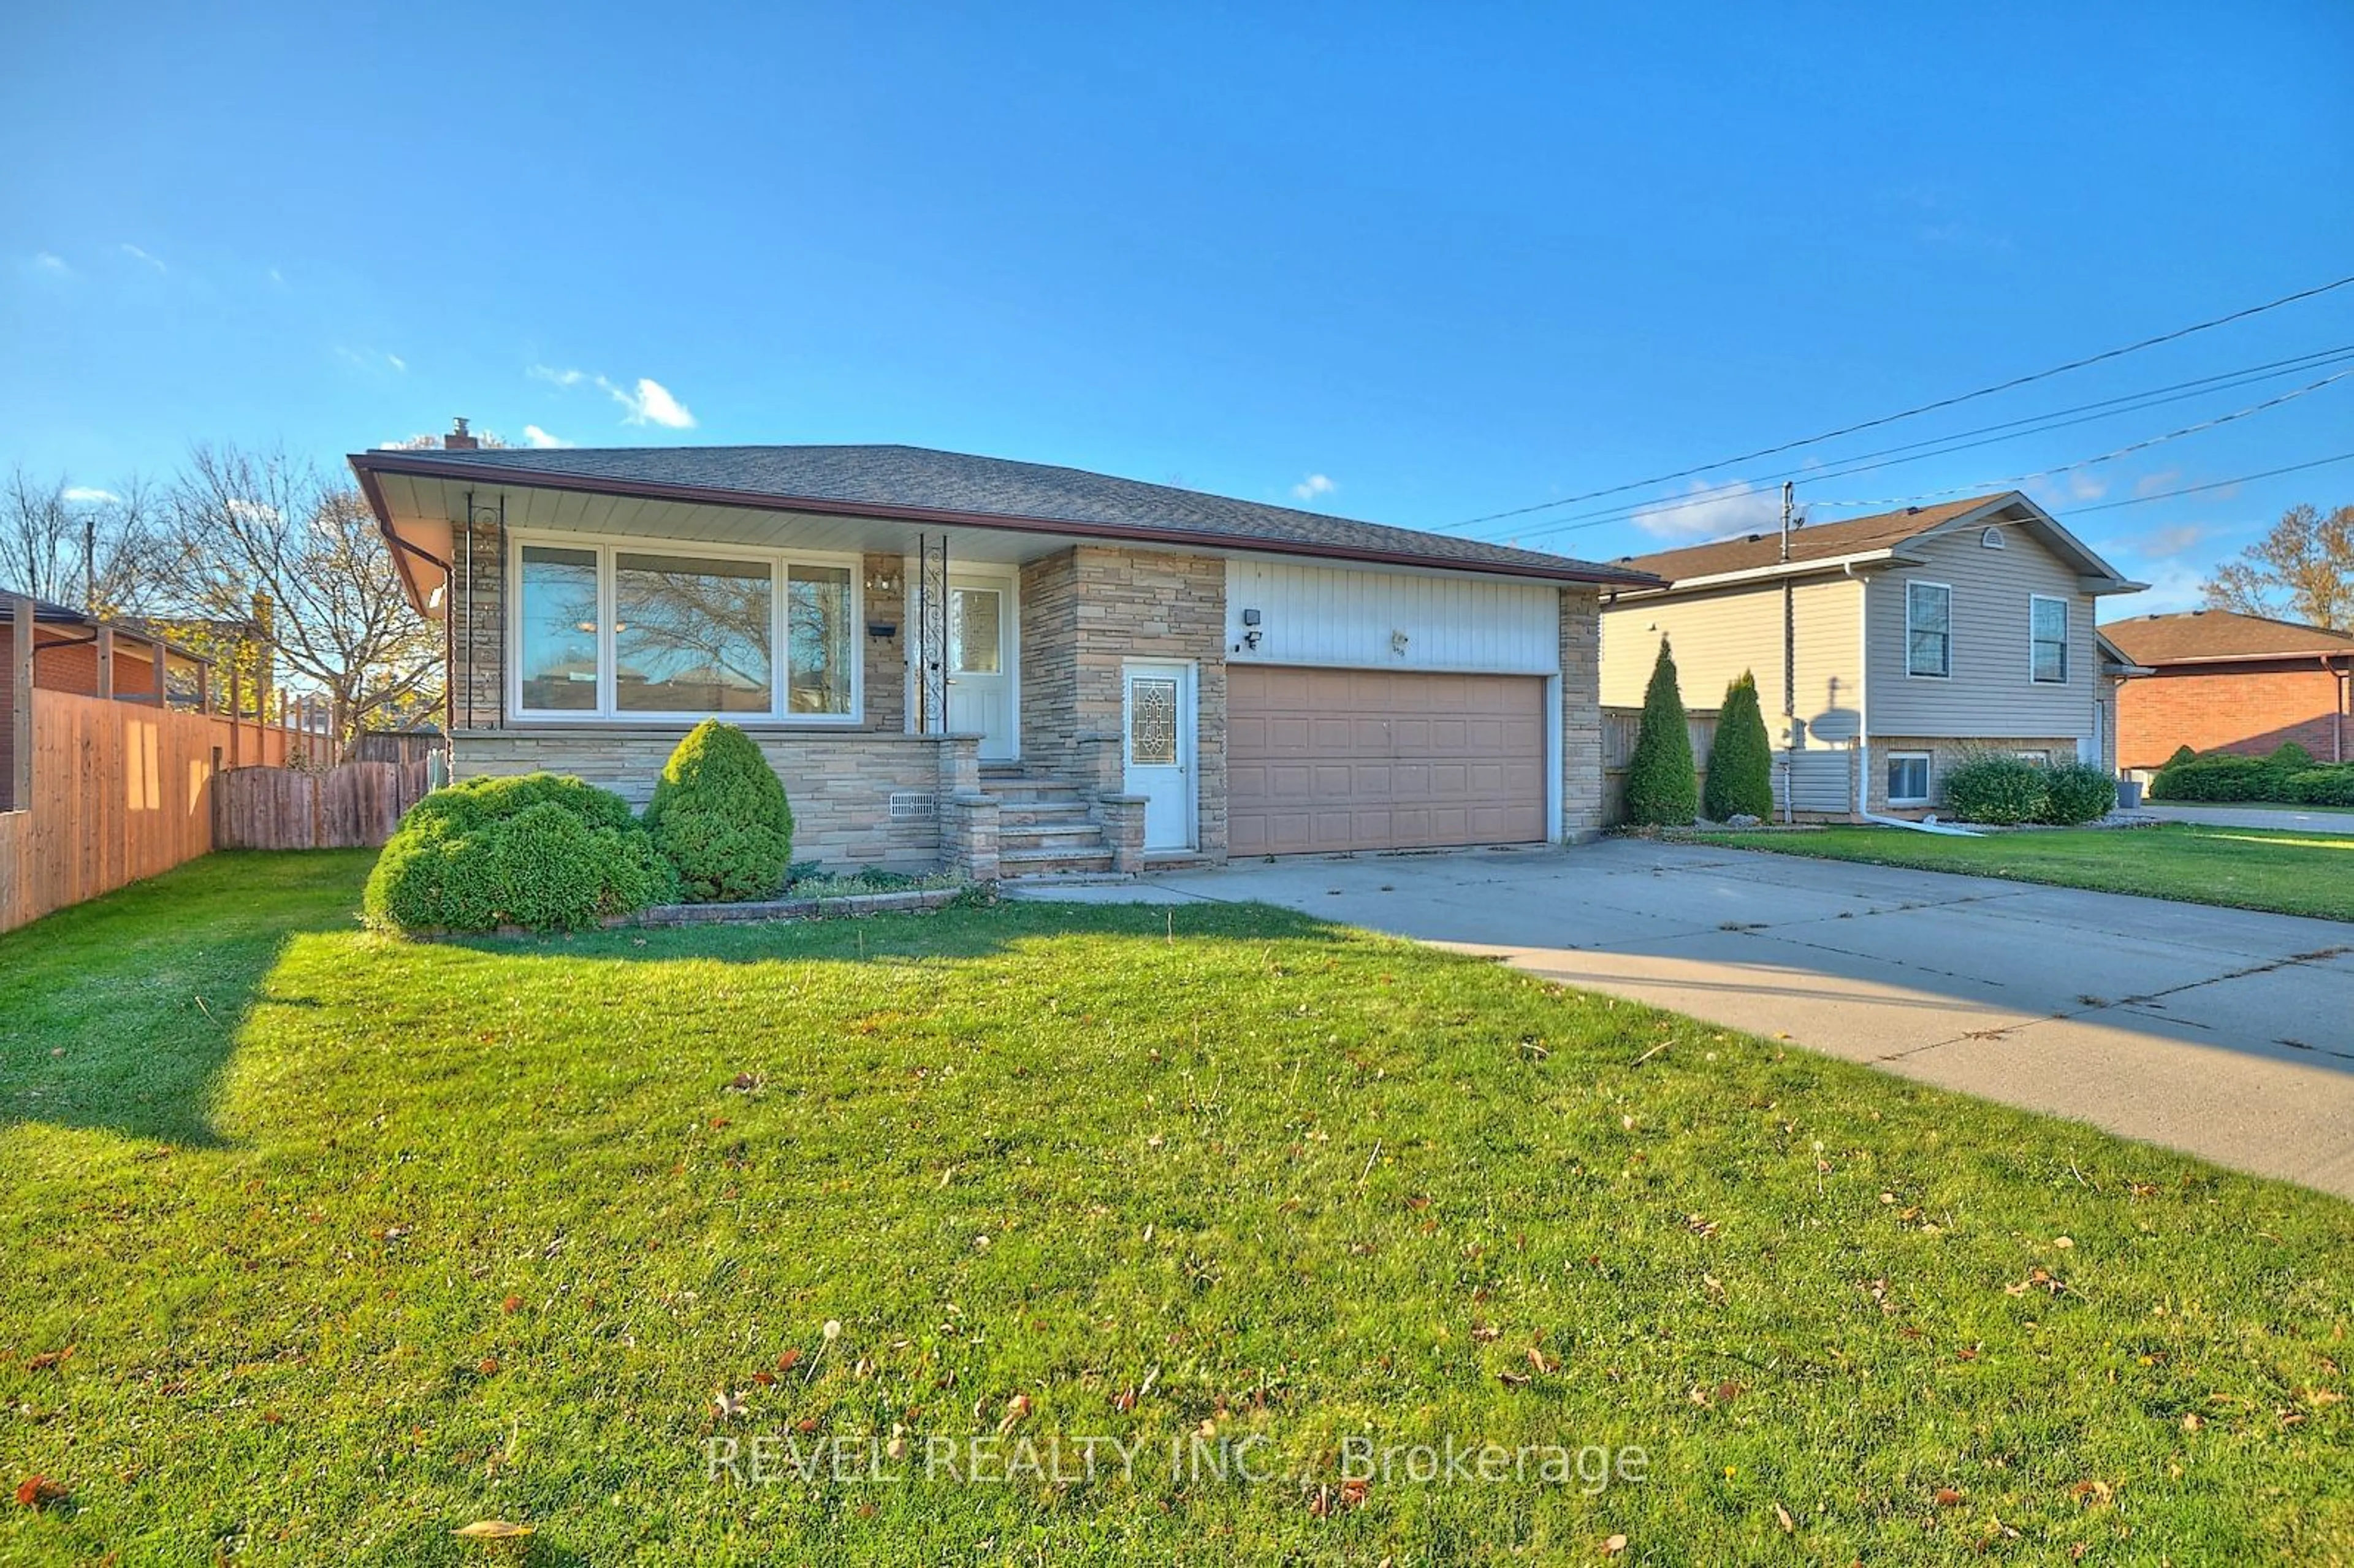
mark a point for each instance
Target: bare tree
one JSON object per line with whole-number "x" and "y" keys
{"x": 2302, "y": 570}
{"x": 263, "y": 536}
{"x": 90, "y": 548}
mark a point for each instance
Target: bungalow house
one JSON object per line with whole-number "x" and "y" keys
{"x": 1885, "y": 648}
{"x": 2220, "y": 680}
{"x": 1001, "y": 666}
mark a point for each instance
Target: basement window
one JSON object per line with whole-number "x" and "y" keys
{"x": 1908, "y": 778}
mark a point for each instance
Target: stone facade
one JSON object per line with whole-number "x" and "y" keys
{"x": 859, "y": 799}
{"x": 1581, "y": 715}
{"x": 1085, "y": 613}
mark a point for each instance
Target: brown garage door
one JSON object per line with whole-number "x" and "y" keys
{"x": 1325, "y": 760}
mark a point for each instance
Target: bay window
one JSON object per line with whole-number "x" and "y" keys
{"x": 620, "y": 631}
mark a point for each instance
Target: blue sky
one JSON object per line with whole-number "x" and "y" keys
{"x": 1409, "y": 263}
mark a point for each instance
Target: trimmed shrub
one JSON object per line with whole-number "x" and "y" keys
{"x": 2220, "y": 777}
{"x": 1741, "y": 760}
{"x": 550, "y": 852}
{"x": 2077, "y": 792}
{"x": 2181, "y": 753}
{"x": 2290, "y": 758}
{"x": 2331, "y": 786}
{"x": 1997, "y": 788}
{"x": 1662, "y": 788}
{"x": 719, "y": 815}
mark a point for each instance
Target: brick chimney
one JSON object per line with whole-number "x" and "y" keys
{"x": 460, "y": 439}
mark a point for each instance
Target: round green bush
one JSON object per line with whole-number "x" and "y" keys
{"x": 2288, "y": 756}
{"x": 1998, "y": 789}
{"x": 1741, "y": 759}
{"x": 549, "y": 853}
{"x": 2332, "y": 786}
{"x": 2181, "y": 753}
{"x": 2077, "y": 792}
{"x": 719, "y": 816}
{"x": 1662, "y": 788}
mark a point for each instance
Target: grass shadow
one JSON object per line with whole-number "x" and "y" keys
{"x": 123, "y": 1014}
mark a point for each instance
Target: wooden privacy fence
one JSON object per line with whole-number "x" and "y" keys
{"x": 1619, "y": 728}
{"x": 353, "y": 806}
{"x": 115, "y": 791}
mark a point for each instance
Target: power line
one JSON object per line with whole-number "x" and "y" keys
{"x": 2218, "y": 484}
{"x": 1945, "y": 446}
{"x": 2012, "y": 481}
{"x": 2015, "y": 382}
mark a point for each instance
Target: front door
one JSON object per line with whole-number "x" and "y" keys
{"x": 980, "y": 664}
{"x": 1156, "y": 750}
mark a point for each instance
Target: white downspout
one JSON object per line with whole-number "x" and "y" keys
{"x": 1862, "y": 690}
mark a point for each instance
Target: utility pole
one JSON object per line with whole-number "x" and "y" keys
{"x": 88, "y": 562}
{"x": 1790, "y": 667}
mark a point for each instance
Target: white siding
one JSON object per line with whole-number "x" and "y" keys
{"x": 1345, "y": 617}
{"x": 1989, "y": 695}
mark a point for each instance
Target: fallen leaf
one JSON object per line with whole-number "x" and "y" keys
{"x": 512, "y": 1305}
{"x": 789, "y": 1360}
{"x": 491, "y": 1529}
{"x": 1783, "y": 1514}
{"x": 1537, "y": 1360}
{"x": 1015, "y": 1409}
{"x": 2062, "y": 1242}
{"x": 1614, "y": 1546}
{"x": 2190, "y": 1421}
{"x": 765, "y": 1380}
{"x": 1948, "y": 1497}
{"x": 2091, "y": 1488}
{"x": 1512, "y": 1379}
{"x": 39, "y": 1492}
{"x": 726, "y": 1405}
{"x": 489, "y": 1366}
{"x": 48, "y": 1358}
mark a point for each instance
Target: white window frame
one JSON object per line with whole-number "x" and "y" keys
{"x": 2067, "y": 631}
{"x": 1928, "y": 778}
{"x": 1910, "y": 672}
{"x": 606, "y": 713}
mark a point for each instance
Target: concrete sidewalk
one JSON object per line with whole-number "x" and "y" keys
{"x": 2287, "y": 819}
{"x": 2222, "y": 1032}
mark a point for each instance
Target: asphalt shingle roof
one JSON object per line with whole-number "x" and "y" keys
{"x": 988, "y": 489}
{"x": 2191, "y": 636}
{"x": 1814, "y": 542}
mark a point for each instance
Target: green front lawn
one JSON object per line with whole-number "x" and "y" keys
{"x": 320, "y": 1245}
{"x": 2245, "y": 868}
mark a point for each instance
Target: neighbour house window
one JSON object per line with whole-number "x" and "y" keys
{"x": 1908, "y": 778}
{"x": 2048, "y": 638}
{"x": 1928, "y": 629}
{"x": 614, "y": 632}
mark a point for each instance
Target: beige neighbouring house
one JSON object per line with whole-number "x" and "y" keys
{"x": 1885, "y": 648}
{"x": 1001, "y": 667}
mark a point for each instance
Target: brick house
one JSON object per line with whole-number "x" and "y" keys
{"x": 1000, "y": 666}
{"x": 2219, "y": 681}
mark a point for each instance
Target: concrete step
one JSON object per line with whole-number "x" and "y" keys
{"x": 1042, "y": 813}
{"x": 1040, "y": 792}
{"x": 1083, "y": 837}
{"x": 1036, "y": 862}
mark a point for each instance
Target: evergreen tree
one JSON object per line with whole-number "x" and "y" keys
{"x": 1740, "y": 762}
{"x": 1662, "y": 790}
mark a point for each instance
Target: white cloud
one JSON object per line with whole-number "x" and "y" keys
{"x": 647, "y": 402}
{"x": 90, "y": 492}
{"x": 2173, "y": 585}
{"x": 396, "y": 362}
{"x": 534, "y": 435}
{"x": 650, "y": 404}
{"x": 50, "y": 263}
{"x": 1713, "y": 510}
{"x": 2151, "y": 483}
{"x": 2171, "y": 540}
{"x": 2084, "y": 486}
{"x": 1314, "y": 485}
{"x": 137, "y": 255}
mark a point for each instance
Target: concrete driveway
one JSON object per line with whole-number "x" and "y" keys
{"x": 2222, "y": 1032}
{"x": 2287, "y": 819}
